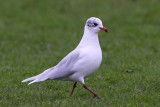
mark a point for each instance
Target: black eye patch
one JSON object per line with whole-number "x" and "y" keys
{"x": 91, "y": 23}
{"x": 95, "y": 24}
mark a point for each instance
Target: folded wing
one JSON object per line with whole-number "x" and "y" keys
{"x": 62, "y": 69}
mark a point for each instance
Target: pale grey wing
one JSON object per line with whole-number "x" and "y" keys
{"x": 64, "y": 67}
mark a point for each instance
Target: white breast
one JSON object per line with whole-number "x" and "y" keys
{"x": 91, "y": 58}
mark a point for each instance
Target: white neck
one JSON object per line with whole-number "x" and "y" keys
{"x": 89, "y": 38}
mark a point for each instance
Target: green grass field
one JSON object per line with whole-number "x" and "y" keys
{"x": 37, "y": 34}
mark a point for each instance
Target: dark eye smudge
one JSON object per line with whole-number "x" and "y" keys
{"x": 95, "y": 24}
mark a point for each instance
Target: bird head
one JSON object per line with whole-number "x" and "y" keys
{"x": 95, "y": 25}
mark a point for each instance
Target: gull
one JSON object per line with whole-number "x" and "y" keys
{"x": 80, "y": 63}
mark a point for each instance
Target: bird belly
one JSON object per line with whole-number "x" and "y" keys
{"x": 87, "y": 65}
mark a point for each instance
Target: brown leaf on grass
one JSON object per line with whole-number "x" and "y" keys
{"x": 99, "y": 76}
{"x": 130, "y": 71}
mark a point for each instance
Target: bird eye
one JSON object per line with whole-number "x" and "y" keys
{"x": 95, "y": 24}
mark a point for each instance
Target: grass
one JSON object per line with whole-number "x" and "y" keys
{"x": 36, "y": 35}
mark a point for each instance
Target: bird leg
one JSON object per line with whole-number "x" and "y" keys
{"x": 74, "y": 86}
{"x": 95, "y": 95}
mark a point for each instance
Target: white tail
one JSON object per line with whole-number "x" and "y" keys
{"x": 29, "y": 79}
{"x": 34, "y": 79}
{"x": 40, "y": 77}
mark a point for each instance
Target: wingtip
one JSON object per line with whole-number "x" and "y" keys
{"x": 29, "y": 83}
{"x": 33, "y": 81}
{"x": 22, "y": 81}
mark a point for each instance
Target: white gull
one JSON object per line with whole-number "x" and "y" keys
{"x": 82, "y": 62}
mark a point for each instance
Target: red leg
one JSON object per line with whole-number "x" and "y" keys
{"x": 74, "y": 86}
{"x": 95, "y": 95}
